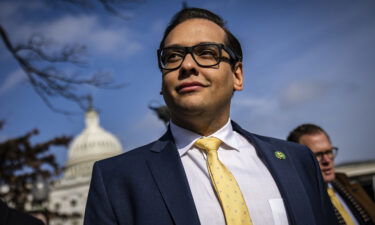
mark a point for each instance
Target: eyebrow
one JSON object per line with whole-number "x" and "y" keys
{"x": 200, "y": 43}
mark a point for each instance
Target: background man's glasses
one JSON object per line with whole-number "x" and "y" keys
{"x": 331, "y": 153}
{"x": 205, "y": 55}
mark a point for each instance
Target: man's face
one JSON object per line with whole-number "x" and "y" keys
{"x": 320, "y": 143}
{"x": 191, "y": 89}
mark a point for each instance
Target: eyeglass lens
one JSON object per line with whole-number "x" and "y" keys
{"x": 330, "y": 153}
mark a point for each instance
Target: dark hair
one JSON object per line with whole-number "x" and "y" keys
{"x": 305, "y": 129}
{"x": 197, "y": 13}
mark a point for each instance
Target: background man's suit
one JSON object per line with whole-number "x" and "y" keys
{"x": 360, "y": 204}
{"x": 9, "y": 216}
{"x": 149, "y": 186}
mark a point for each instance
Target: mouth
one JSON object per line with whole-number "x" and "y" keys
{"x": 327, "y": 171}
{"x": 187, "y": 87}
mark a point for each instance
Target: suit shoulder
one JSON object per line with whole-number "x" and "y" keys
{"x": 132, "y": 156}
{"x": 276, "y": 141}
{"x": 292, "y": 148}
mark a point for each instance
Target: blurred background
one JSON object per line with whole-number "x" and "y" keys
{"x": 64, "y": 61}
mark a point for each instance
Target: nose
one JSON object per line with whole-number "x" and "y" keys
{"x": 326, "y": 159}
{"x": 188, "y": 66}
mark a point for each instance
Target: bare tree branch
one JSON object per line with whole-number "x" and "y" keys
{"x": 34, "y": 50}
{"x": 41, "y": 66}
{"x": 49, "y": 81}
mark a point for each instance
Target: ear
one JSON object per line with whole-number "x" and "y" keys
{"x": 238, "y": 77}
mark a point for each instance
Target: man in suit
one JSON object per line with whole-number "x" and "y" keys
{"x": 206, "y": 169}
{"x": 9, "y": 216}
{"x": 351, "y": 202}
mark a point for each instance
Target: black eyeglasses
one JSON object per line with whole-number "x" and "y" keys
{"x": 204, "y": 54}
{"x": 331, "y": 153}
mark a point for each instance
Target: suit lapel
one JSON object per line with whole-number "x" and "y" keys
{"x": 286, "y": 177}
{"x": 167, "y": 169}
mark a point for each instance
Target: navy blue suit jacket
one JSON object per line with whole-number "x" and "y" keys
{"x": 9, "y": 216}
{"x": 148, "y": 185}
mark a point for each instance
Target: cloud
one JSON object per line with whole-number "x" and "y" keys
{"x": 256, "y": 105}
{"x": 301, "y": 92}
{"x": 148, "y": 122}
{"x": 149, "y": 128}
{"x": 114, "y": 39}
{"x": 15, "y": 78}
{"x": 88, "y": 30}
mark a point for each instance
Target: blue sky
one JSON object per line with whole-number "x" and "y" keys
{"x": 304, "y": 61}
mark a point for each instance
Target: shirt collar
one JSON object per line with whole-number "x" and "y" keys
{"x": 185, "y": 139}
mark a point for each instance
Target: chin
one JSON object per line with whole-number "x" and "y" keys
{"x": 191, "y": 109}
{"x": 329, "y": 178}
{"x": 190, "y": 105}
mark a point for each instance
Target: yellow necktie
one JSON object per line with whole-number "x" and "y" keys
{"x": 337, "y": 204}
{"x": 226, "y": 187}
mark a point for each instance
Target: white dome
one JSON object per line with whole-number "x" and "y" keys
{"x": 93, "y": 143}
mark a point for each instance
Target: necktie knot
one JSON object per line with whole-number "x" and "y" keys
{"x": 208, "y": 143}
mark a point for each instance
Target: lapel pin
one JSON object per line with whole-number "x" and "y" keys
{"x": 280, "y": 155}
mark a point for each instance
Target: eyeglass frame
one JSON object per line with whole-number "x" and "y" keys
{"x": 189, "y": 50}
{"x": 334, "y": 150}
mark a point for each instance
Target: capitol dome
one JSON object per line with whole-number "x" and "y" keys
{"x": 92, "y": 144}
{"x": 69, "y": 193}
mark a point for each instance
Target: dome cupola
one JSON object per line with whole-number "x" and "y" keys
{"x": 93, "y": 143}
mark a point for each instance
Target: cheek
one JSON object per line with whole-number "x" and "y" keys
{"x": 227, "y": 82}
{"x": 165, "y": 83}
{"x": 227, "y": 76}
{"x": 167, "y": 87}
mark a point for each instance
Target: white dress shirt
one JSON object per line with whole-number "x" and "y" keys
{"x": 259, "y": 189}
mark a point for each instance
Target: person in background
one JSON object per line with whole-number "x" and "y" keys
{"x": 9, "y": 216}
{"x": 352, "y": 204}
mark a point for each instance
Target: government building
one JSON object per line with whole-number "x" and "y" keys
{"x": 68, "y": 194}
